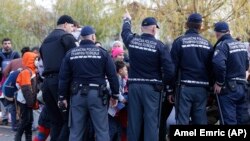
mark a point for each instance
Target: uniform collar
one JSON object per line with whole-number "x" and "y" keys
{"x": 148, "y": 35}
{"x": 192, "y": 30}
{"x": 224, "y": 37}
{"x": 87, "y": 42}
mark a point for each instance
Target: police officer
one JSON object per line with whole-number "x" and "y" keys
{"x": 192, "y": 55}
{"x": 230, "y": 62}
{"x": 84, "y": 69}
{"x": 148, "y": 57}
{"x": 53, "y": 49}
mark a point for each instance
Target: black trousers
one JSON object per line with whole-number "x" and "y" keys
{"x": 58, "y": 124}
{"x": 166, "y": 110}
{"x": 26, "y": 119}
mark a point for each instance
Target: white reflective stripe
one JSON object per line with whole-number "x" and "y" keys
{"x": 144, "y": 80}
{"x": 142, "y": 48}
{"x": 90, "y": 84}
{"x": 194, "y": 82}
{"x": 195, "y": 45}
{"x": 94, "y": 85}
{"x": 79, "y": 57}
{"x": 238, "y": 78}
{"x": 237, "y": 50}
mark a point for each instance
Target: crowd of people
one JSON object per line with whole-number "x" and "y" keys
{"x": 86, "y": 92}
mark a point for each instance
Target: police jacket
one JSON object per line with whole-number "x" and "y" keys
{"x": 87, "y": 64}
{"x": 54, "y": 48}
{"x": 192, "y": 54}
{"x": 149, "y": 58}
{"x": 230, "y": 60}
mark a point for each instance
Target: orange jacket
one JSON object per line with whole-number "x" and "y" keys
{"x": 28, "y": 61}
{"x": 27, "y": 78}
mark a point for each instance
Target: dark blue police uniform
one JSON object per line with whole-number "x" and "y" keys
{"x": 149, "y": 62}
{"x": 230, "y": 62}
{"x": 192, "y": 55}
{"x": 84, "y": 69}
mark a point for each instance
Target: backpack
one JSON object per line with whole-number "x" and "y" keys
{"x": 9, "y": 87}
{"x": 6, "y": 60}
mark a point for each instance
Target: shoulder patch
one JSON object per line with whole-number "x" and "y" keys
{"x": 216, "y": 52}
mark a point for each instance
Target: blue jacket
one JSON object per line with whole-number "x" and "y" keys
{"x": 230, "y": 60}
{"x": 87, "y": 64}
{"x": 192, "y": 56}
{"x": 149, "y": 58}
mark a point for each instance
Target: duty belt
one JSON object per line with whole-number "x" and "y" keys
{"x": 90, "y": 85}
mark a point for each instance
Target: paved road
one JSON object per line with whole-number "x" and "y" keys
{"x": 7, "y": 135}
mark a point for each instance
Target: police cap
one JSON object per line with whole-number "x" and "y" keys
{"x": 87, "y": 30}
{"x": 149, "y": 21}
{"x": 195, "y": 18}
{"x": 221, "y": 27}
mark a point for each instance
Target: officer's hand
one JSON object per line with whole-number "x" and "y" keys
{"x": 127, "y": 15}
{"x": 171, "y": 99}
{"x": 217, "y": 88}
{"x": 113, "y": 102}
{"x": 64, "y": 102}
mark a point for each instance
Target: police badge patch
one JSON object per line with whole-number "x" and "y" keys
{"x": 216, "y": 52}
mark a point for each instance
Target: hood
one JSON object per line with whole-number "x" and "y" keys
{"x": 28, "y": 60}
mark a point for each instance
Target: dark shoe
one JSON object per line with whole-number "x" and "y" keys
{"x": 5, "y": 122}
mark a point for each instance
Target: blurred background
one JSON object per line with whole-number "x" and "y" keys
{"x": 27, "y": 22}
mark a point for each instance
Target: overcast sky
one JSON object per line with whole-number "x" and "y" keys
{"x": 46, "y": 3}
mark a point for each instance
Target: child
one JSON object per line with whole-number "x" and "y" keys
{"x": 26, "y": 81}
{"x": 118, "y": 122}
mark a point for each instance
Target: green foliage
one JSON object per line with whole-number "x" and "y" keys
{"x": 24, "y": 22}
{"x": 27, "y": 24}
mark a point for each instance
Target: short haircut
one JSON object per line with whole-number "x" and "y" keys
{"x": 238, "y": 38}
{"x": 25, "y": 49}
{"x": 193, "y": 25}
{"x": 76, "y": 24}
{"x": 6, "y": 39}
{"x": 35, "y": 48}
{"x": 119, "y": 65}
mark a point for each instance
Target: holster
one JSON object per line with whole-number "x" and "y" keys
{"x": 104, "y": 94}
{"x": 74, "y": 88}
{"x": 79, "y": 88}
{"x": 158, "y": 87}
{"x": 232, "y": 85}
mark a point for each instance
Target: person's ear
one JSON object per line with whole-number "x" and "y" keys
{"x": 94, "y": 37}
{"x": 154, "y": 30}
{"x": 64, "y": 25}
